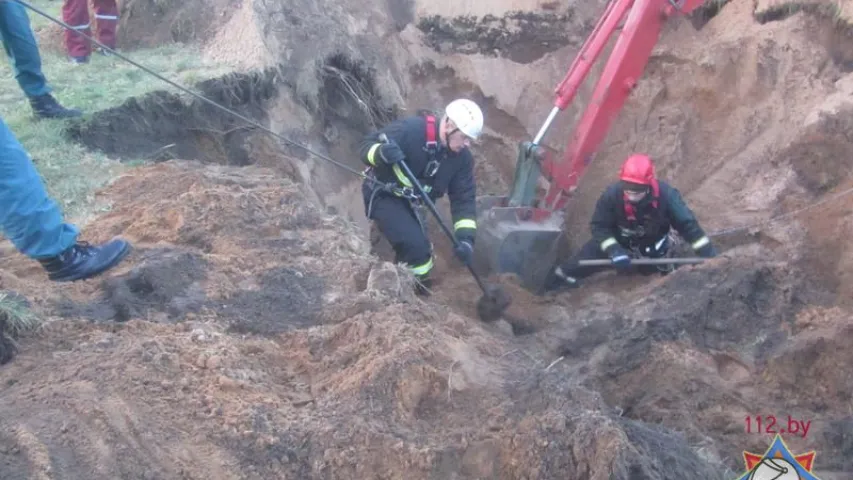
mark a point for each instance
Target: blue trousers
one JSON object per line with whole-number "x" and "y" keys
{"x": 22, "y": 49}
{"x": 29, "y": 218}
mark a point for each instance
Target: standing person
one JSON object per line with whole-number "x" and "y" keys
{"x": 436, "y": 151}
{"x": 633, "y": 218}
{"x": 76, "y": 14}
{"x": 33, "y": 222}
{"x": 22, "y": 50}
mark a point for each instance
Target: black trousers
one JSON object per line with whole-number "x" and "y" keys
{"x": 591, "y": 250}
{"x": 399, "y": 224}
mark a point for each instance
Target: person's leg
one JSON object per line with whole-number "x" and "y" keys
{"x": 20, "y": 45}
{"x": 399, "y": 225}
{"x": 106, "y": 17}
{"x": 30, "y": 219}
{"x": 76, "y": 14}
{"x": 569, "y": 273}
{"x": 34, "y": 223}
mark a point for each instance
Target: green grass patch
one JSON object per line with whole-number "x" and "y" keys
{"x": 71, "y": 172}
{"x": 16, "y": 318}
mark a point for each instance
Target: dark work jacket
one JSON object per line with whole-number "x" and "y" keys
{"x": 455, "y": 176}
{"x": 611, "y": 221}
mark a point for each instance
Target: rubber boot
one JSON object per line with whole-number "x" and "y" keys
{"x": 45, "y": 106}
{"x": 83, "y": 261}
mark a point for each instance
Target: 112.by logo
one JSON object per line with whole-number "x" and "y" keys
{"x": 778, "y": 463}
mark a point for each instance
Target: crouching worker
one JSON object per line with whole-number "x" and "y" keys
{"x": 632, "y": 219}
{"x": 436, "y": 151}
{"x": 33, "y": 222}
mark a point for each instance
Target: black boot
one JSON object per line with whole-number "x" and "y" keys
{"x": 45, "y": 106}
{"x": 423, "y": 284}
{"x": 83, "y": 261}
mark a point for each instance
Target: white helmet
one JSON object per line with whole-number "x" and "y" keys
{"x": 466, "y": 115}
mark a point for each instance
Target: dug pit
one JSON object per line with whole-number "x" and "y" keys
{"x": 626, "y": 378}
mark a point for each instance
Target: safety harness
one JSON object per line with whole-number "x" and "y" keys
{"x": 431, "y": 147}
{"x": 663, "y": 243}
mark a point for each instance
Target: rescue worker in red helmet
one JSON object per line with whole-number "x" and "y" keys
{"x": 632, "y": 219}
{"x": 435, "y": 148}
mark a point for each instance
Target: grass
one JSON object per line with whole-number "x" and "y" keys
{"x": 15, "y": 316}
{"x": 71, "y": 172}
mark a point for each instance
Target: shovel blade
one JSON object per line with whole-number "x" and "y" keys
{"x": 517, "y": 240}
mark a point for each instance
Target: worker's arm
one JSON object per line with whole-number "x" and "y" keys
{"x": 604, "y": 223}
{"x": 685, "y": 222}
{"x": 373, "y": 153}
{"x": 462, "y": 192}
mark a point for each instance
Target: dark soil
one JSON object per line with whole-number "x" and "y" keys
{"x": 164, "y": 281}
{"x": 522, "y": 37}
{"x": 162, "y": 125}
{"x": 736, "y": 320}
{"x": 288, "y": 299}
{"x": 838, "y": 453}
{"x": 822, "y": 157}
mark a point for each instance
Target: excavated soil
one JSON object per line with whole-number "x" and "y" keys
{"x": 256, "y": 331}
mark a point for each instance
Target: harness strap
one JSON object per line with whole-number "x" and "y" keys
{"x": 431, "y": 141}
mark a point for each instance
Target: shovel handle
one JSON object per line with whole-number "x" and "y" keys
{"x": 645, "y": 261}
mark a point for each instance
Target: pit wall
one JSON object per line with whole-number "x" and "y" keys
{"x": 721, "y": 98}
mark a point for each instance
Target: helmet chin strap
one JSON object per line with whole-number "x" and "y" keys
{"x": 445, "y": 136}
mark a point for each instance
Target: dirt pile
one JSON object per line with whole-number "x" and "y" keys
{"x": 251, "y": 336}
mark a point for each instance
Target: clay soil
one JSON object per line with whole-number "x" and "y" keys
{"x": 257, "y": 332}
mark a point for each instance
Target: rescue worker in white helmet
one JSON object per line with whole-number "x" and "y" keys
{"x": 436, "y": 149}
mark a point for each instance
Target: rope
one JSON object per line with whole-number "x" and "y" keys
{"x": 782, "y": 216}
{"x": 198, "y": 96}
{"x": 343, "y": 166}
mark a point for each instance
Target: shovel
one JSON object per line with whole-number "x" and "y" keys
{"x": 495, "y": 300}
{"x": 645, "y": 261}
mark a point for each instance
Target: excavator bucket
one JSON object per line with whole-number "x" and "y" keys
{"x": 518, "y": 240}
{"x": 513, "y": 236}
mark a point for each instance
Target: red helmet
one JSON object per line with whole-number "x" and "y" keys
{"x": 638, "y": 168}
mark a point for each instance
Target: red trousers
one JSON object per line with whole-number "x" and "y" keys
{"x": 76, "y": 14}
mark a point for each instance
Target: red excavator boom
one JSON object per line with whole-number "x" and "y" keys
{"x": 518, "y": 233}
{"x": 645, "y": 19}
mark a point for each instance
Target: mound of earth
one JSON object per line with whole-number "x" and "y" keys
{"x": 252, "y": 336}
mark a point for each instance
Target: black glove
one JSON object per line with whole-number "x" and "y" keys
{"x": 707, "y": 251}
{"x": 391, "y": 153}
{"x": 619, "y": 256}
{"x": 464, "y": 251}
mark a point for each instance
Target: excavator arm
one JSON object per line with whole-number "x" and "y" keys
{"x": 518, "y": 233}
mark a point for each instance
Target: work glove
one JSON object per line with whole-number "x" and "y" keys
{"x": 619, "y": 256}
{"x": 707, "y": 251}
{"x": 391, "y": 153}
{"x": 464, "y": 251}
